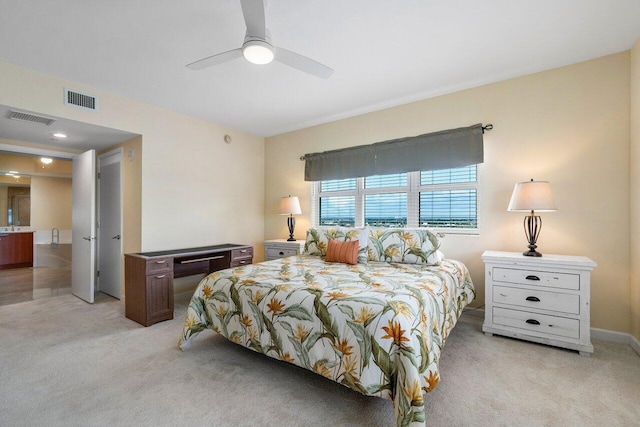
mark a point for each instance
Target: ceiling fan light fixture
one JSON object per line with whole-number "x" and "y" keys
{"x": 257, "y": 52}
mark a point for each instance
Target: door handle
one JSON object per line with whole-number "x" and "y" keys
{"x": 116, "y": 237}
{"x": 90, "y": 238}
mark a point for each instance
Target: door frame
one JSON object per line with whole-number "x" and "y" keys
{"x": 113, "y": 156}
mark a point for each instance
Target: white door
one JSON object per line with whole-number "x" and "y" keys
{"x": 83, "y": 218}
{"x": 110, "y": 224}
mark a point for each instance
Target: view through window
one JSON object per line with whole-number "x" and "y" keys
{"x": 446, "y": 199}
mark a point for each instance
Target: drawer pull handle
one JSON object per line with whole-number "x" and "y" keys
{"x": 534, "y": 299}
{"x": 533, "y": 322}
{"x": 532, "y": 278}
{"x": 161, "y": 262}
{"x": 189, "y": 261}
{"x": 243, "y": 251}
{"x": 281, "y": 253}
{"x": 161, "y": 276}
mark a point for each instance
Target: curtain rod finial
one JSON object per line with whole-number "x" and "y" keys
{"x": 488, "y": 127}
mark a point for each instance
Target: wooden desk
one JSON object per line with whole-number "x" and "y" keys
{"x": 148, "y": 276}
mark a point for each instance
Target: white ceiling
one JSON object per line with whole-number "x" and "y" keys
{"x": 384, "y": 53}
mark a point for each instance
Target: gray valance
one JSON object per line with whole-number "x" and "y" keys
{"x": 446, "y": 149}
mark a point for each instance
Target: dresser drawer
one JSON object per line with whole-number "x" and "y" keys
{"x": 159, "y": 265}
{"x": 243, "y": 253}
{"x": 538, "y": 323}
{"x": 275, "y": 253}
{"x": 537, "y": 278}
{"x": 543, "y": 300}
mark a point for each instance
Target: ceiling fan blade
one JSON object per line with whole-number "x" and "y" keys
{"x": 215, "y": 59}
{"x": 302, "y": 63}
{"x": 253, "y": 11}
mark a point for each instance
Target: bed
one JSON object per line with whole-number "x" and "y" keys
{"x": 377, "y": 328}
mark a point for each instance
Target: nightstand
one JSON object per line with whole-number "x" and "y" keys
{"x": 280, "y": 248}
{"x": 544, "y": 300}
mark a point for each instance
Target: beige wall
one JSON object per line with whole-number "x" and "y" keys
{"x": 50, "y": 203}
{"x": 196, "y": 190}
{"x": 635, "y": 191}
{"x": 569, "y": 126}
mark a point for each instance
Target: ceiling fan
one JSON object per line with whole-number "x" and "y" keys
{"x": 258, "y": 49}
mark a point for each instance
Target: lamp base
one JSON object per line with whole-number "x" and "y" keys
{"x": 532, "y": 253}
{"x": 532, "y": 227}
{"x": 291, "y": 223}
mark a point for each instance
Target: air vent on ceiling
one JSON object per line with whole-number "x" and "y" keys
{"x": 31, "y": 118}
{"x": 80, "y": 100}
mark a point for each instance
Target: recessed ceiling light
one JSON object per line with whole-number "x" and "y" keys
{"x": 59, "y": 135}
{"x": 46, "y": 160}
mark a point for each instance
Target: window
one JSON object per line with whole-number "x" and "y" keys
{"x": 443, "y": 199}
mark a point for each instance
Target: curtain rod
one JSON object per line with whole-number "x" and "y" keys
{"x": 486, "y": 128}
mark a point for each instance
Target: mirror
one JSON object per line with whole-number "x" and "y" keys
{"x": 18, "y": 176}
{"x": 15, "y": 200}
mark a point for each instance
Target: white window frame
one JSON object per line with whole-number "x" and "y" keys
{"x": 413, "y": 189}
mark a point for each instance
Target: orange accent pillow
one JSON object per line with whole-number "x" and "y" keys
{"x": 345, "y": 252}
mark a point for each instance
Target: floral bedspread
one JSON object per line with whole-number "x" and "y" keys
{"x": 377, "y": 328}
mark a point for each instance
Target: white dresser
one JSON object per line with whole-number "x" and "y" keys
{"x": 545, "y": 299}
{"x": 280, "y": 248}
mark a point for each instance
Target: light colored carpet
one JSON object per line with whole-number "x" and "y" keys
{"x": 65, "y": 362}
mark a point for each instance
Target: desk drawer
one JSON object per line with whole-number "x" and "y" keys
{"x": 543, "y": 300}
{"x": 242, "y": 253}
{"x": 537, "y": 278}
{"x": 159, "y": 265}
{"x": 541, "y": 324}
{"x": 241, "y": 262}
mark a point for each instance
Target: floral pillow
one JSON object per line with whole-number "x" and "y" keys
{"x": 318, "y": 240}
{"x": 404, "y": 245}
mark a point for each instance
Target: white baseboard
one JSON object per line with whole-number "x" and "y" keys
{"x": 596, "y": 333}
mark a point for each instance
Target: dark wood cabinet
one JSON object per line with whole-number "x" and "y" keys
{"x": 149, "y": 276}
{"x": 148, "y": 288}
{"x": 16, "y": 250}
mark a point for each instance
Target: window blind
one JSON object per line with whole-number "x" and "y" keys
{"x": 446, "y": 149}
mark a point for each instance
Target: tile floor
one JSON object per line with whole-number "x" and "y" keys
{"x": 27, "y": 284}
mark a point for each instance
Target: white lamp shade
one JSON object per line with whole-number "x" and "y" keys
{"x": 532, "y": 196}
{"x": 290, "y": 206}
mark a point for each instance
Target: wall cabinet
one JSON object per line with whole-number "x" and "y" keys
{"x": 16, "y": 250}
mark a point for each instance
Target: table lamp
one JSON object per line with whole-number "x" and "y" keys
{"x": 290, "y": 206}
{"x": 532, "y": 196}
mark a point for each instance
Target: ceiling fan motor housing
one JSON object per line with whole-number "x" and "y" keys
{"x": 257, "y": 50}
